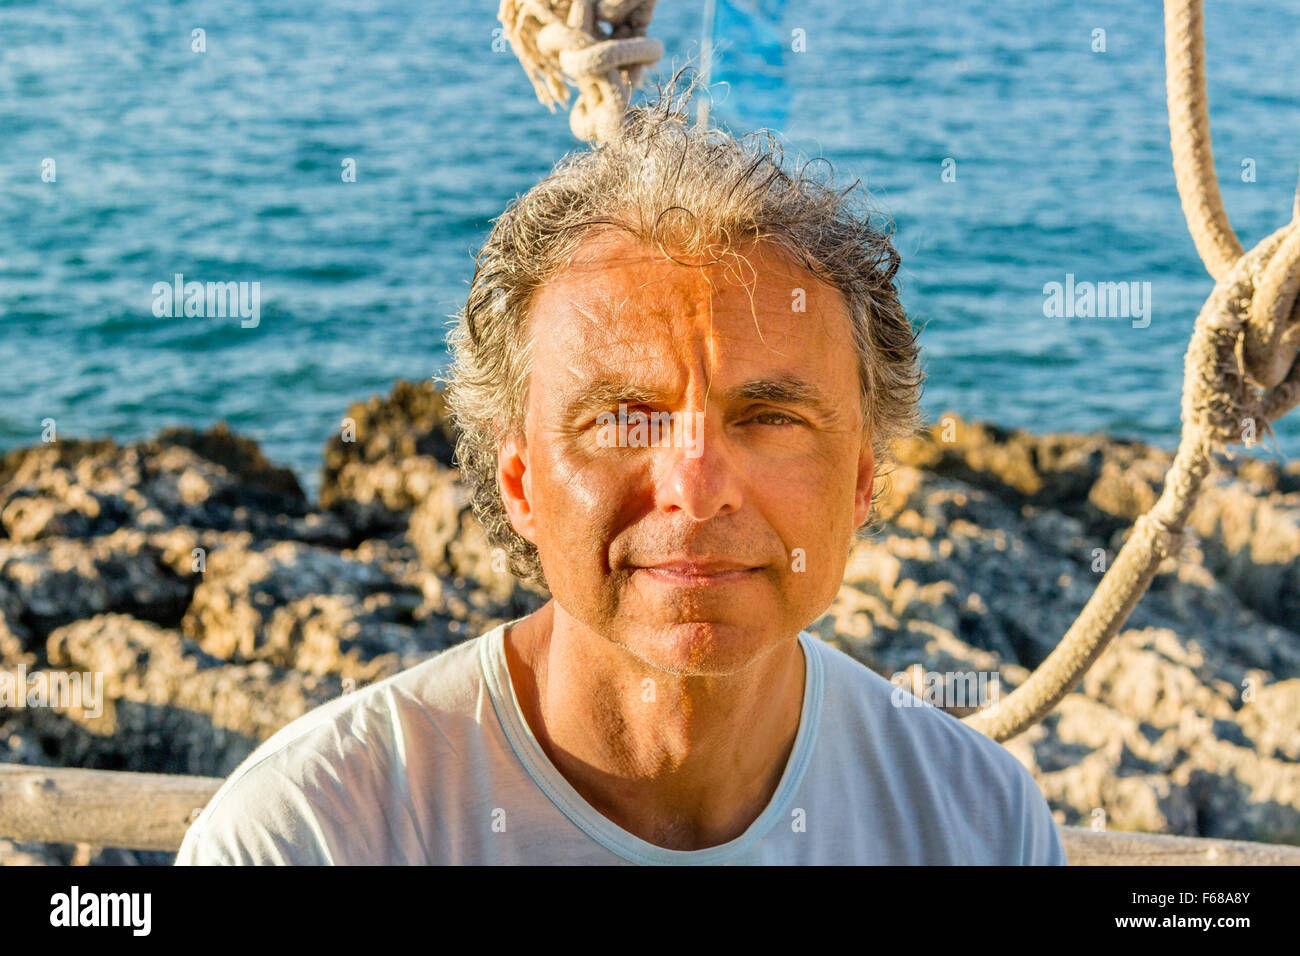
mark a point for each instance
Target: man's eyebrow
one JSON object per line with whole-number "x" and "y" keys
{"x": 606, "y": 393}
{"x": 783, "y": 390}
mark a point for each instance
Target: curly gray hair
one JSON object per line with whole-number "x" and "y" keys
{"x": 726, "y": 192}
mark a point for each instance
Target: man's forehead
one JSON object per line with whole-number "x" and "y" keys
{"x": 608, "y": 254}
{"x": 619, "y": 287}
{"x": 662, "y": 329}
{"x": 629, "y": 322}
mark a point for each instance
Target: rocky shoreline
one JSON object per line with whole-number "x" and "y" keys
{"x": 219, "y": 603}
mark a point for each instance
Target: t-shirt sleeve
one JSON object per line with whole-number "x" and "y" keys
{"x": 1041, "y": 838}
{"x": 257, "y": 820}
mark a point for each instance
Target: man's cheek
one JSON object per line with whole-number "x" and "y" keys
{"x": 817, "y": 539}
{"x": 581, "y": 481}
{"x": 578, "y": 517}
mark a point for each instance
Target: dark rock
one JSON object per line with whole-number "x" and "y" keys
{"x": 386, "y": 457}
{"x": 57, "y": 582}
{"x": 208, "y": 480}
{"x": 168, "y": 706}
{"x": 233, "y": 612}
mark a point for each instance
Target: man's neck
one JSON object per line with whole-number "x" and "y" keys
{"x": 681, "y": 762}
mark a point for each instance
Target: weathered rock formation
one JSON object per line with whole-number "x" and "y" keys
{"x": 219, "y": 603}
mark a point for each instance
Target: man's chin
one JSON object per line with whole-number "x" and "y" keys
{"x": 699, "y": 648}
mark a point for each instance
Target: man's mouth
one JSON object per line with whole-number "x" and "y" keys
{"x": 698, "y": 574}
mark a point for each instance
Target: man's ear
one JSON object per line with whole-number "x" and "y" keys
{"x": 515, "y": 484}
{"x": 866, "y": 482}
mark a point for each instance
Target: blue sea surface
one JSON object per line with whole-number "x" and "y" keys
{"x": 226, "y": 165}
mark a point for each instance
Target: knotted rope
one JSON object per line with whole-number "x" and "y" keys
{"x": 1240, "y": 370}
{"x": 562, "y": 37}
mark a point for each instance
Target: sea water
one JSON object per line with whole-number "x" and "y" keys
{"x": 348, "y": 159}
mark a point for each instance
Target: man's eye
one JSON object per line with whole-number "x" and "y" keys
{"x": 774, "y": 418}
{"x": 614, "y": 416}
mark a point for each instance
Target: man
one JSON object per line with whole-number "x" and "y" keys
{"x": 676, "y": 378}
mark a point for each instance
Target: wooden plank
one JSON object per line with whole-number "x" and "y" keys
{"x": 151, "y": 811}
{"x": 138, "y": 811}
{"x": 1084, "y": 847}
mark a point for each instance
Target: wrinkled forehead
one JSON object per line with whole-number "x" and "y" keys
{"x": 619, "y": 295}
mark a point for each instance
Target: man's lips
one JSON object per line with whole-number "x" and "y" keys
{"x": 698, "y": 573}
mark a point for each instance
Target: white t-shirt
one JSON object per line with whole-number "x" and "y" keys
{"x": 436, "y": 765}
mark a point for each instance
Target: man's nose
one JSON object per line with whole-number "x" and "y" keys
{"x": 698, "y": 471}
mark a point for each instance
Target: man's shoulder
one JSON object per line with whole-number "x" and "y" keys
{"x": 325, "y": 765}
{"x": 947, "y": 767}
{"x": 879, "y": 706}
{"x": 444, "y": 684}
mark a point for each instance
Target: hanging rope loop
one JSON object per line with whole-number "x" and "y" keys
{"x": 599, "y": 45}
{"x": 1271, "y": 326}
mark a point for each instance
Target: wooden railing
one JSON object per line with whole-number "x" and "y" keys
{"x": 151, "y": 811}
{"x": 136, "y": 811}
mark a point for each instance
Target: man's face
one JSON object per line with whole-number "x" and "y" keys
{"x": 754, "y": 491}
